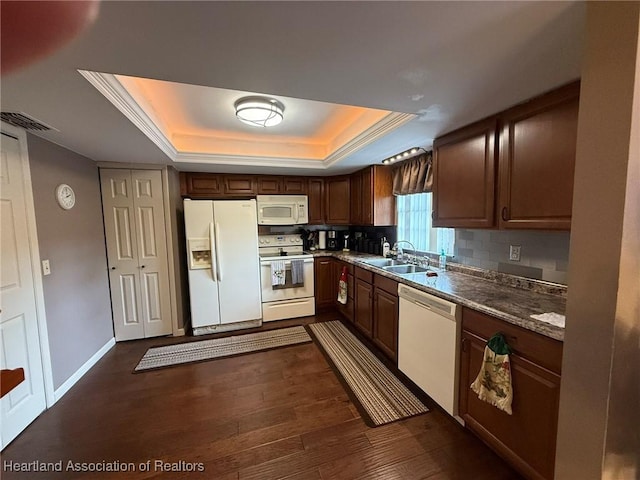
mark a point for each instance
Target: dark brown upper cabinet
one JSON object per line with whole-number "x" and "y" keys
{"x": 200, "y": 184}
{"x": 315, "y": 192}
{"x": 513, "y": 170}
{"x": 464, "y": 174}
{"x": 337, "y": 200}
{"x": 269, "y": 185}
{"x": 276, "y": 185}
{"x": 537, "y": 161}
{"x": 240, "y": 185}
{"x": 294, "y": 185}
{"x": 377, "y": 202}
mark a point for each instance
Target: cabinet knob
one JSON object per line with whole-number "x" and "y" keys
{"x": 141, "y": 266}
{"x": 505, "y": 213}
{"x": 113, "y": 268}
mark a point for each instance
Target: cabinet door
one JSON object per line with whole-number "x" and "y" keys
{"x": 385, "y": 322}
{"x": 337, "y": 200}
{"x": 269, "y": 185}
{"x": 294, "y": 186}
{"x": 464, "y": 176}
{"x": 316, "y": 201}
{"x": 537, "y": 159}
{"x": 200, "y": 185}
{"x": 364, "y": 307}
{"x": 325, "y": 288}
{"x": 367, "y": 200}
{"x": 239, "y": 185}
{"x": 347, "y": 310}
{"x": 357, "y": 199}
{"x": 527, "y": 439}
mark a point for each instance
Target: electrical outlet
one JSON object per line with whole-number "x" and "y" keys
{"x": 46, "y": 267}
{"x": 514, "y": 253}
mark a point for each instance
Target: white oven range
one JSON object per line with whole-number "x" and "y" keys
{"x": 288, "y": 300}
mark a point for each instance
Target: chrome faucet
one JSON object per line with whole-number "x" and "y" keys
{"x": 398, "y": 250}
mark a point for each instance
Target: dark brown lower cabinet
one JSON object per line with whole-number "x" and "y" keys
{"x": 347, "y": 310}
{"x": 527, "y": 438}
{"x": 325, "y": 287}
{"x": 385, "y": 316}
{"x": 364, "y": 307}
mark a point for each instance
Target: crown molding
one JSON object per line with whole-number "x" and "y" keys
{"x": 248, "y": 161}
{"x": 376, "y": 131}
{"x": 112, "y": 89}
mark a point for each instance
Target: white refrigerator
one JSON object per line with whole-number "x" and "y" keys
{"x": 223, "y": 264}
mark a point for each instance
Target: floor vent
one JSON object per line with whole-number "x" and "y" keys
{"x": 24, "y": 121}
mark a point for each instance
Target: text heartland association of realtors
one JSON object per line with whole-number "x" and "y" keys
{"x": 103, "y": 466}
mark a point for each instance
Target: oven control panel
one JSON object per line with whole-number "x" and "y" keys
{"x": 279, "y": 240}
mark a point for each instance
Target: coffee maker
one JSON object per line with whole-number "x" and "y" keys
{"x": 332, "y": 240}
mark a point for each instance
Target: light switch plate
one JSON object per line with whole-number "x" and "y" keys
{"x": 46, "y": 267}
{"x": 514, "y": 253}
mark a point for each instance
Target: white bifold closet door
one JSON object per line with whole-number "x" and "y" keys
{"x": 132, "y": 202}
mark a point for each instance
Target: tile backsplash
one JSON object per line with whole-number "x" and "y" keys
{"x": 543, "y": 256}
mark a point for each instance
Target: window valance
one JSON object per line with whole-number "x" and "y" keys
{"x": 414, "y": 175}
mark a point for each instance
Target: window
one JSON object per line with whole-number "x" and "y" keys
{"x": 414, "y": 225}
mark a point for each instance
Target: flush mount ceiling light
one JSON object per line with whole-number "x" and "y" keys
{"x": 259, "y": 111}
{"x": 402, "y": 155}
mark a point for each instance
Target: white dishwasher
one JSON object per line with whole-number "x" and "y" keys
{"x": 428, "y": 345}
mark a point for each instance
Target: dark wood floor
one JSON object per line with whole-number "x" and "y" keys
{"x": 275, "y": 414}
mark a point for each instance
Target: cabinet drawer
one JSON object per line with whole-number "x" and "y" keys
{"x": 386, "y": 284}
{"x": 542, "y": 350}
{"x": 364, "y": 275}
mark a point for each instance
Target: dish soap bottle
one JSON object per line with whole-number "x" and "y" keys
{"x": 442, "y": 260}
{"x": 385, "y": 247}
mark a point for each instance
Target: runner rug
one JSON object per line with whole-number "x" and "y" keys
{"x": 189, "y": 352}
{"x": 382, "y": 398}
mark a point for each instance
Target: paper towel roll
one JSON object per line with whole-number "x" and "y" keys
{"x": 322, "y": 240}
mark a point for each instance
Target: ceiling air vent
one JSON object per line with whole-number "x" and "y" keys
{"x": 24, "y": 121}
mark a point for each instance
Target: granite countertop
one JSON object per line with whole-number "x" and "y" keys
{"x": 513, "y": 305}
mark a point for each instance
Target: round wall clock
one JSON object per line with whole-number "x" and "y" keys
{"x": 65, "y": 196}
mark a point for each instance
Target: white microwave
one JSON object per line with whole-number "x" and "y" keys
{"x": 282, "y": 209}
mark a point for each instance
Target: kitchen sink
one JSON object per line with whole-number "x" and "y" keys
{"x": 400, "y": 269}
{"x": 383, "y": 262}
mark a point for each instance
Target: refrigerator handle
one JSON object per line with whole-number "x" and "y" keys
{"x": 214, "y": 252}
{"x": 217, "y": 258}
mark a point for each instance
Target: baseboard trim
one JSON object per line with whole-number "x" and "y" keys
{"x": 73, "y": 379}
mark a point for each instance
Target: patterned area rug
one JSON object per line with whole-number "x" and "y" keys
{"x": 178, "y": 354}
{"x": 382, "y": 397}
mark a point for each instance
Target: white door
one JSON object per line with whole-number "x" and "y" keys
{"x": 152, "y": 252}
{"x": 236, "y": 245}
{"x": 137, "y": 253}
{"x": 19, "y": 338}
